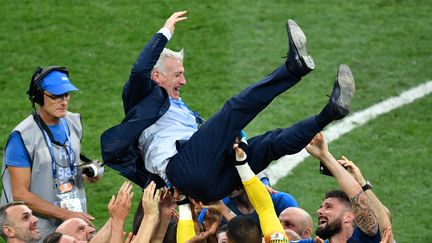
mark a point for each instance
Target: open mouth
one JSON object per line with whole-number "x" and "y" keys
{"x": 34, "y": 229}
{"x": 322, "y": 221}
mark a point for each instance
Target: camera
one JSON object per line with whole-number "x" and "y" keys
{"x": 93, "y": 169}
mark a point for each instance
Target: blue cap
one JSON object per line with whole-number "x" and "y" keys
{"x": 57, "y": 83}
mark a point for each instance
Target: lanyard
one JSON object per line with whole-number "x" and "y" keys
{"x": 67, "y": 146}
{"x": 181, "y": 104}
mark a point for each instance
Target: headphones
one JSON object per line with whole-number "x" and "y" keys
{"x": 35, "y": 91}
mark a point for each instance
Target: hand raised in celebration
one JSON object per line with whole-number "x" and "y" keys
{"x": 173, "y": 19}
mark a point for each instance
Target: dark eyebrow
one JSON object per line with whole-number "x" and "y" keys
{"x": 26, "y": 214}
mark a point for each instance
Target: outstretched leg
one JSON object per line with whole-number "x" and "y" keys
{"x": 340, "y": 99}
{"x": 199, "y": 163}
{"x": 274, "y": 144}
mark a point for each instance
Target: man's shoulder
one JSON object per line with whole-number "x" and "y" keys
{"x": 360, "y": 236}
{"x": 305, "y": 241}
{"x": 28, "y": 121}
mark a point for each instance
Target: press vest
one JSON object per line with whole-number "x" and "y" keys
{"x": 42, "y": 180}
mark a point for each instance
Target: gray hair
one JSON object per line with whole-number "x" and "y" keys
{"x": 4, "y": 220}
{"x": 167, "y": 53}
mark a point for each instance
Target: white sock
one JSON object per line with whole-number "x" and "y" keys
{"x": 245, "y": 172}
{"x": 185, "y": 212}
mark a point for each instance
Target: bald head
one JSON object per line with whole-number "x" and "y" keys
{"x": 77, "y": 228}
{"x": 297, "y": 220}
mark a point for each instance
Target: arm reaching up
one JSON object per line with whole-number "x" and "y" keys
{"x": 376, "y": 205}
{"x": 150, "y": 203}
{"x": 119, "y": 210}
{"x": 173, "y": 19}
{"x": 365, "y": 218}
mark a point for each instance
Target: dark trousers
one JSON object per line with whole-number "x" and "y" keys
{"x": 203, "y": 168}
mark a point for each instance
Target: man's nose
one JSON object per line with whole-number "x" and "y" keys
{"x": 319, "y": 212}
{"x": 183, "y": 80}
{"x": 35, "y": 219}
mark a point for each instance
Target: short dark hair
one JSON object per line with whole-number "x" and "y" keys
{"x": 221, "y": 229}
{"x": 242, "y": 229}
{"x": 340, "y": 195}
{"x": 10, "y": 204}
{"x": 4, "y": 220}
{"x": 53, "y": 237}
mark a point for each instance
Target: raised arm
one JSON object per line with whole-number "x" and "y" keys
{"x": 140, "y": 84}
{"x": 365, "y": 218}
{"x": 119, "y": 208}
{"x": 167, "y": 205}
{"x": 150, "y": 203}
{"x": 379, "y": 208}
{"x": 220, "y": 207}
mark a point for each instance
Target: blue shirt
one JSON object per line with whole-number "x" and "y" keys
{"x": 157, "y": 142}
{"x": 358, "y": 236}
{"x": 16, "y": 154}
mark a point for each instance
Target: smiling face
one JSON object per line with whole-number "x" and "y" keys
{"x": 77, "y": 228}
{"x": 171, "y": 78}
{"x": 23, "y": 225}
{"x": 331, "y": 216}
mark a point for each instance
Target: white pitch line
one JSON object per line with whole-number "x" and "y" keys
{"x": 284, "y": 165}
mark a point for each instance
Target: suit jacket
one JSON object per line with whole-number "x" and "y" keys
{"x": 144, "y": 102}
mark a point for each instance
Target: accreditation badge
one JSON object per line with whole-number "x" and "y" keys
{"x": 67, "y": 196}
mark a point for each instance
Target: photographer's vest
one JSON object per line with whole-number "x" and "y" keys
{"x": 42, "y": 181}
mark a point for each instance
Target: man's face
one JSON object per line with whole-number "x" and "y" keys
{"x": 55, "y": 107}
{"x": 292, "y": 220}
{"x": 77, "y": 228}
{"x": 330, "y": 218}
{"x": 24, "y": 224}
{"x": 172, "y": 79}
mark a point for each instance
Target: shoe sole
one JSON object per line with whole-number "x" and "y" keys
{"x": 299, "y": 39}
{"x": 346, "y": 84}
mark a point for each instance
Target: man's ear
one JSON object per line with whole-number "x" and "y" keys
{"x": 156, "y": 76}
{"x": 307, "y": 233}
{"x": 348, "y": 217}
{"x": 8, "y": 231}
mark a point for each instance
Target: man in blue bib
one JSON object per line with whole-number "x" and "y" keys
{"x": 42, "y": 154}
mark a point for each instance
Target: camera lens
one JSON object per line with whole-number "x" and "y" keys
{"x": 90, "y": 171}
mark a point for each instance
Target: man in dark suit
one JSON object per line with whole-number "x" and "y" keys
{"x": 160, "y": 135}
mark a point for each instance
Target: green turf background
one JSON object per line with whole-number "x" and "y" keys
{"x": 228, "y": 45}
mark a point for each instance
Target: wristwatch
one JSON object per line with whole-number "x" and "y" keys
{"x": 367, "y": 186}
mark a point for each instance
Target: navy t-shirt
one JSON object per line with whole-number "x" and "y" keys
{"x": 358, "y": 236}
